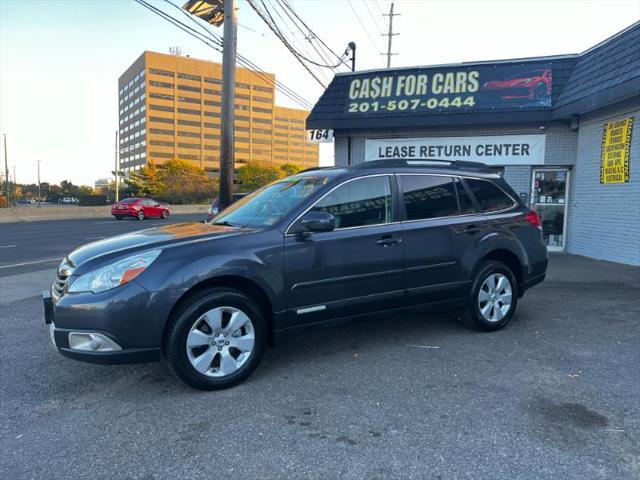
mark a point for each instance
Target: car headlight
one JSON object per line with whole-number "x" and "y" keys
{"x": 111, "y": 276}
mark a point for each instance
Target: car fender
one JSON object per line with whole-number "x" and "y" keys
{"x": 497, "y": 239}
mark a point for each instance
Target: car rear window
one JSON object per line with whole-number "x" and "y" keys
{"x": 489, "y": 196}
{"x": 427, "y": 196}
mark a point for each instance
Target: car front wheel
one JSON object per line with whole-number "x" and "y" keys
{"x": 165, "y": 214}
{"x": 494, "y": 295}
{"x": 216, "y": 339}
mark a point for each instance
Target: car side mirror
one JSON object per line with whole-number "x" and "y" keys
{"x": 318, "y": 222}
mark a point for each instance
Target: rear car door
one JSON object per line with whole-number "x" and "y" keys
{"x": 354, "y": 269}
{"x": 149, "y": 207}
{"x": 439, "y": 224}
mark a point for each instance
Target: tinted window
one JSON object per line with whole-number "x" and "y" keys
{"x": 489, "y": 196}
{"x": 428, "y": 196}
{"x": 366, "y": 201}
{"x": 464, "y": 200}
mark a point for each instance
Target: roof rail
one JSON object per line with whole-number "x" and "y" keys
{"x": 431, "y": 162}
{"x": 311, "y": 169}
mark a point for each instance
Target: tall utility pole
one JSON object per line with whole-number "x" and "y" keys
{"x": 227, "y": 148}
{"x": 6, "y": 169}
{"x": 223, "y": 12}
{"x": 117, "y": 169}
{"x": 15, "y": 185}
{"x": 38, "y": 181}
{"x": 390, "y": 34}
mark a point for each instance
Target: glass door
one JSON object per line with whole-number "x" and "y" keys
{"x": 549, "y": 197}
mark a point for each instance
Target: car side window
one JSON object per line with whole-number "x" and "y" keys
{"x": 489, "y": 196}
{"x": 361, "y": 202}
{"x": 428, "y": 196}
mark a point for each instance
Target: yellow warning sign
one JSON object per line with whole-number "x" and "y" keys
{"x": 616, "y": 143}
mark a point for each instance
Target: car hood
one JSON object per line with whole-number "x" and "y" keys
{"x": 160, "y": 237}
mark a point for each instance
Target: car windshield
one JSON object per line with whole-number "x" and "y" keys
{"x": 271, "y": 203}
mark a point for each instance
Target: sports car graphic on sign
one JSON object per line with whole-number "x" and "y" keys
{"x": 531, "y": 85}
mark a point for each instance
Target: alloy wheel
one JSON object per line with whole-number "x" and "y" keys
{"x": 220, "y": 341}
{"x": 495, "y": 297}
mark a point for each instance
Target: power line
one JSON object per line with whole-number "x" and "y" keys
{"x": 373, "y": 17}
{"x": 302, "y": 47}
{"x": 215, "y": 42}
{"x": 274, "y": 28}
{"x": 363, "y": 27}
{"x": 218, "y": 43}
{"x": 313, "y": 34}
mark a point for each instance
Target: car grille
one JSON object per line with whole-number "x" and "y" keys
{"x": 64, "y": 272}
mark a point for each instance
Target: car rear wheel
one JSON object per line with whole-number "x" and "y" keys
{"x": 140, "y": 215}
{"x": 494, "y": 296}
{"x": 165, "y": 214}
{"x": 216, "y": 339}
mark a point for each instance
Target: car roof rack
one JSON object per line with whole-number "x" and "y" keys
{"x": 312, "y": 169}
{"x": 431, "y": 162}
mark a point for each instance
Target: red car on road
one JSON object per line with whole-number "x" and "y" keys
{"x": 531, "y": 85}
{"x": 139, "y": 208}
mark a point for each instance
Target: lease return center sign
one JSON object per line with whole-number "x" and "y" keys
{"x": 492, "y": 150}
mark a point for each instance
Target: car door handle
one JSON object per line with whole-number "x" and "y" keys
{"x": 471, "y": 229}
{"x": 388, "y": 241}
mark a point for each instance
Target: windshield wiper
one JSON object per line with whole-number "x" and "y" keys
{"x": 224, "y": 223}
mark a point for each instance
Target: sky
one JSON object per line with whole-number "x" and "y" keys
{"x": 60, "y": 59}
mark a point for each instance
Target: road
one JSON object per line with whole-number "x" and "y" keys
{"x": 553, "y": 395}
{"x": 30, "y": 245}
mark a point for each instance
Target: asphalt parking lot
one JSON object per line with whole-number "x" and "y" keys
{"x": 554, "y": 395}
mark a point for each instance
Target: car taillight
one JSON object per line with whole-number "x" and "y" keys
{"x": 534, "y": 219}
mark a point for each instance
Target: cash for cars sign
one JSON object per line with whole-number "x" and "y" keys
{"x": 616, "y": 142}
{"x": 490, "y": 149}
{"x": 433, "y": 90}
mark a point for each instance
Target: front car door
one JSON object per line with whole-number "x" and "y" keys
{"x": 439, "y": 224}
{"x": 354, "y": 269}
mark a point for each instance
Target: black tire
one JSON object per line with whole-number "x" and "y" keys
{"x": 184, "y": 318}
{"x": 118, "y": 217}
{"x": 475, "y": 318}
{"x": 140, "y": 215}
{"x": 541, "y": 91}
{"x": 165, "y": 214}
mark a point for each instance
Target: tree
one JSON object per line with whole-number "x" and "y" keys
{"x": 176, "y": 181}
{"x": 289, "y": 169}
{"x": 146, "y": 181}
{"x": 254, "y": 175}
{"x": 185, "y": 182}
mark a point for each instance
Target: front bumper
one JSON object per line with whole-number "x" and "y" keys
{"x": 130, "y": 317}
